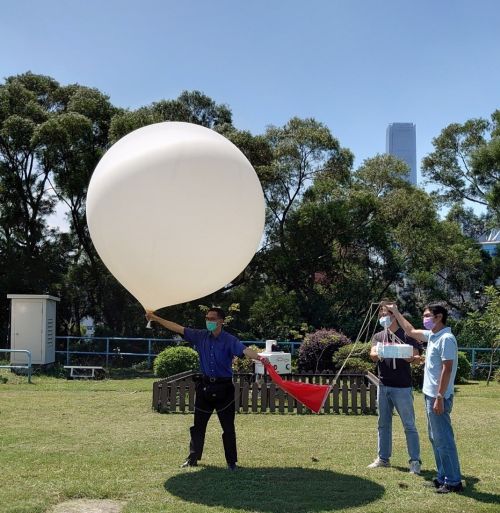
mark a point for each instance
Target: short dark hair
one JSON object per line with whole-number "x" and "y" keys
{"x": 438, "y": 308}
{"x": 219, "y": 311}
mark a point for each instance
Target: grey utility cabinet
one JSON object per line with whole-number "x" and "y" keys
{"x": 33, "y": 327}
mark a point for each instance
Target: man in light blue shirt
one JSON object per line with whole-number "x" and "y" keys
{"x": 441, "y": 347}
{"x": 439, "y": 377}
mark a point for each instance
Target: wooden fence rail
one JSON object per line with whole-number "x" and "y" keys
{"x": 353, "y": 394}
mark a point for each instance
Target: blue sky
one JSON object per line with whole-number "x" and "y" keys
{"x": 354, "y": 65}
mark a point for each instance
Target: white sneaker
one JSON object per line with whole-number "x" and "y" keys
{"x": 379, "y": 463}
{"x": 415, "y": 467}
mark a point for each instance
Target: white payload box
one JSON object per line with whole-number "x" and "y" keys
{"x": 33, "y": 328}
{"x": 394, "y": 350}
{"x": 282, "y": 362}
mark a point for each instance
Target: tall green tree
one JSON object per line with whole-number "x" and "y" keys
{"x": 302, "y": 149}
{"x": 51, "y": 138}
{"x": 486, "y": 164}
{"x": 29, "y": 260}
{"x": 190, "y": 107}
{"x": 352, "y": 242}
{"x": 465, "y": 163}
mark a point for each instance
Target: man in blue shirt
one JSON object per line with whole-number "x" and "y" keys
{"x": 439, "y": 376}
{"x": 215, "y": 391}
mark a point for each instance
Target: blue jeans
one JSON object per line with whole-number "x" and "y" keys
{"x": 443, "y": 442}
{"x": 401, "y": 399}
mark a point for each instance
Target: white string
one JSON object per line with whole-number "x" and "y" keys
{"x": 366, "y": 323}
{"x": 394, "y": 339}
{"x": 374, "y": 324}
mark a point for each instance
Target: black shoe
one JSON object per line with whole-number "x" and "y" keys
{"x": 189, "y": 463}
{"x": 446, "y": 488}
{"x": 232, "y": 466}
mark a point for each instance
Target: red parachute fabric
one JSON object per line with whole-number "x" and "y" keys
{"x": 311, "y": 396}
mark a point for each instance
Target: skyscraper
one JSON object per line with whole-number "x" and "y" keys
{"x": 401, "y": 141}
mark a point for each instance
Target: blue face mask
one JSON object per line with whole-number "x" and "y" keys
{"x": 385, "y": 321}
{"x": 211, "y": 325}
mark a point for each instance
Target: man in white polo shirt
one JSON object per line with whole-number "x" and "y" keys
{"x": 439, "y": 377}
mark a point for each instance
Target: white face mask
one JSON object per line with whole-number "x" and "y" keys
{"x": 385, "y": 321}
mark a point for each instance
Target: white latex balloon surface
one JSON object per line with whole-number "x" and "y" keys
{"x": 175, "y": 211}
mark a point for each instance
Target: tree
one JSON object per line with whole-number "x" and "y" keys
{"x": 464, "y": 163}
{"x": 25, "y": 102}
{"x": 472, "y": 225}
{"x": 29, "y": 261}
{"x": 336, "y": 239}
{"x": 352, "y": 242}
{"x": 275, "y": 314}
{"x": 301, "y": 149}
{"x": 190, "y": 107}
{"x": 486, "y": 164}
{"x": 71, "y": 144}
{"x": 491, "y": 322}
{"x": 51, "y": 138}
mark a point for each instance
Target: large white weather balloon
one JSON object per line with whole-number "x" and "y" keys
{"x": 175, "y": 211}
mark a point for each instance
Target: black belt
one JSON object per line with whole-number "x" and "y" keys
{"x": 212, "y": 379}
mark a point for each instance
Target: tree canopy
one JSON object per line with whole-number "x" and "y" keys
{"x": 336, "y": 238}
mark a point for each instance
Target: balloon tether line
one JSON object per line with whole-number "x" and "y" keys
{"x": 366, "y": 323}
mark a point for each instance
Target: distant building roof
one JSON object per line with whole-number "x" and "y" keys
{"x": 491, "y": 237}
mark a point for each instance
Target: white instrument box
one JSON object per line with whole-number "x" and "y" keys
{"x": 282, "y": 362}
{"x": 394, "y": 350}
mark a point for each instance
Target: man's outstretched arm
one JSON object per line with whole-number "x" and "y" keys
{"x": 172, "y": 326}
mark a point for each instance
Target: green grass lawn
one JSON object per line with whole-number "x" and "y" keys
{"x": 99, "y": 439}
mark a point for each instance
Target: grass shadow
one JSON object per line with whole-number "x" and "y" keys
{"x": 273, "y": 490}
{"x": 470, "y": 486}
{"x": 470, "y": 491}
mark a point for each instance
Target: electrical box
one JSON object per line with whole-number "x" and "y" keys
{"x": 33, "y": 327}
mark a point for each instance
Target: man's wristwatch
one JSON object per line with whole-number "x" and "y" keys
{"x": 439, "y": 396}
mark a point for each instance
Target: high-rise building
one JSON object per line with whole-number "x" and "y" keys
{"x": 401, "y": 141}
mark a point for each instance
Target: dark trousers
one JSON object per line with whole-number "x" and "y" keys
{"x": 210, "y": 397}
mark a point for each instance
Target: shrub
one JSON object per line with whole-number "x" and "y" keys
{"x": 316, "y": 352}
{"x": 359, "y": 361}
{"x": 245, "y": 365}
{"x": 463, "y": 369}
{"x": 174, "y": 360}
{"x": 357, "y": 365}
{"x": 417, "y": 376}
